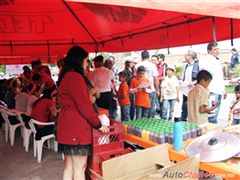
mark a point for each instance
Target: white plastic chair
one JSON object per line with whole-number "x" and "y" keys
{"x": 2, "y": 109}
{"x": 38, "y": 145}
{"x": 26, "y": 132}
{"x": 12, "y": 128}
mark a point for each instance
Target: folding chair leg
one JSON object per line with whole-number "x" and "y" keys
{"x": 24, "y": 135}
{"x": 12, "y": 135}
{"x": 39, "y": 150}
{"x": 6, "y": 131}
{"x": 22, "y": 132}
{"x": 49, "y": 143}
{"x": 55, "y": 146}
{"x": 34, "y": 147}
{"x": 27, "y": 140}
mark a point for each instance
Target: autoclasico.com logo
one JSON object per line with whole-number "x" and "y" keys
{"x": 188, "y": 174}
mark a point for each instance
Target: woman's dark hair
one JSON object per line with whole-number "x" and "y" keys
{"x": 73, "y": 62}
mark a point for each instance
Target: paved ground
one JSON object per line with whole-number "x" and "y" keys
{"x": 16, "y": 164}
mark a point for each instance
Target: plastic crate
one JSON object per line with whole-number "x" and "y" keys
{"x": 97, "y": 167}
{"x": 112, "y": 154}
{"x": 111, "y": 141}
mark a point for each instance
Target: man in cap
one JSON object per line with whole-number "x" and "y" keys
{"x": 152, "y": 76}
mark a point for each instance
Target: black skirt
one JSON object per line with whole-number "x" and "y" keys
{"x": 71, "y": 150}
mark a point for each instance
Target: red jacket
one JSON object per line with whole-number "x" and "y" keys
{"x": 77, "y": 116}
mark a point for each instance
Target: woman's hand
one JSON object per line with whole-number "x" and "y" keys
{"x": 92, "y": 98}
{"x": 104, "y": 129}
{"x": 94, "y": 92}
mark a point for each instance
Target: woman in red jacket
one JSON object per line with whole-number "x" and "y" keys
{"x": 77, "y": 115}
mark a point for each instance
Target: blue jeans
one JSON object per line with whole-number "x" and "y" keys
{"x": 151, "y": 112}
{"x": 157, "y": 102}
{"x": 184, "y": 114}
{"x": 141, "y": 112}
{"x": 212, "y": 117}
{"x": 132, "y": 107}
{"x": 235, "y": 121}
{"x": 168, "y": 104}
{"x": 125, "y": 113}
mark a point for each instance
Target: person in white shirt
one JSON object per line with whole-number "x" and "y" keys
{"x": 22, "y": 100}
{"x": 189, "y": 80}
{"x": 101, "y": 79}
{"x": 35, "y": 93}
{"x": 212, "y": 64}
{"x": 152, "y": 75}
{"x": 169, "y": 93}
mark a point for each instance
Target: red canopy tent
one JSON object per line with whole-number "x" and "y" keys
{"x": 47, "y": 29}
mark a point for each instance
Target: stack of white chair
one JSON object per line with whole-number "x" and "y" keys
{"x": 2, "y": 110}
{"x": 27, "y": 132}
{"x": 11, "y": 128}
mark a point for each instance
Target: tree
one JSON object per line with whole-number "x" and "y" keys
{"x": 3, "y": 69}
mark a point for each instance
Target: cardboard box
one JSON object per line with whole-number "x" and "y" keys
{"x": 150, "y": 163}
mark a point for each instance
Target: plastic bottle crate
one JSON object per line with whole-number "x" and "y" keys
{"x": 97, "y": 167}
{"x": 111, "y": 141}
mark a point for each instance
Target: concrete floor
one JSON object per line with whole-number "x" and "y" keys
{"x": 17, "y": 164}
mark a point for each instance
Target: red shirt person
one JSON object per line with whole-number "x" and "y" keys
{"x": 44, "y": 110}
{"x": 77, "y": 115}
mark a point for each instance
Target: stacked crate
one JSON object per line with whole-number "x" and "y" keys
{"x": 107, "y": 146}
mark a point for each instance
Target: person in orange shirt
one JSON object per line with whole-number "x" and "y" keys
{"x": 123, "y": 97}
{"x": 142, "y": 98}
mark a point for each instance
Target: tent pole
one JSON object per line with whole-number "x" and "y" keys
{"x": 231, "y": 29}
{"x": 168, "y": 42}
{"x": 189, "y": 35}
{"x": 80, "y": 22}
{"x": 48, "y": 46}
{"x": 214, "y": 30}
{"x": 96, "y": 49}
{"x": 11, "y": 48}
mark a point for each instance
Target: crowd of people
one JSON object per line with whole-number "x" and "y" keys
{"x": 147, "y": 88}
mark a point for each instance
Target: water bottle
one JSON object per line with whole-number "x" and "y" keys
{"x": 177, "y": 134}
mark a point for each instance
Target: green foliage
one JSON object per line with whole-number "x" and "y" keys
{"x": 236, "y": 71}
{"x": 3, "y": 69}
{"x": 230, "y": 89}
{"x": 179, "y": 71}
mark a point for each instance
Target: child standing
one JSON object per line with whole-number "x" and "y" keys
{"x": 142, "y": 98}
{"x": 123, "y": 96}
{"x": 170, "y": 93}
{"x": 198, "y": 99}
{"x": 235, "y": 106}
